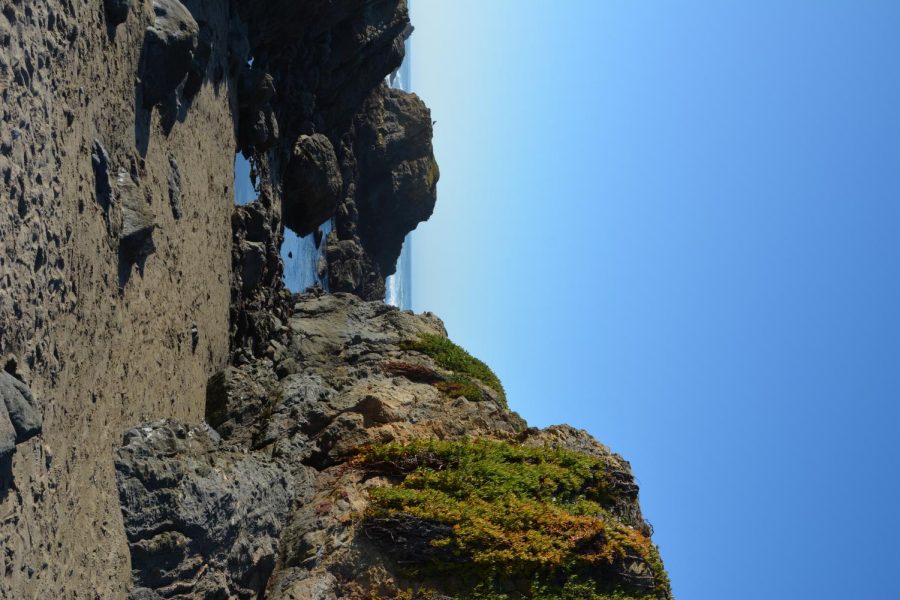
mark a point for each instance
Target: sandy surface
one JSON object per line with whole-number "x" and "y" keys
{"x": 100, "y": 358}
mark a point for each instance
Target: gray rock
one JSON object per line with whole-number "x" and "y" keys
{"x": 253, "y": 264}
{"x": 136, "y": 234}
{"x": 24, "y": 413}
{"x": 312, "y": 184}
{"x": 168, "y": 53}
{"x": 201, "y": 521}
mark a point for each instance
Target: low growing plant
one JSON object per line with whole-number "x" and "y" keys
{"x": 454, "y": 358}
{"x": 511, "y": 513}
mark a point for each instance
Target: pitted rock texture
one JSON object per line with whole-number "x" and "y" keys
{"x": 342, "y": 379}
{"x": 102, "y": 344}
{"x": 169, "y": 46}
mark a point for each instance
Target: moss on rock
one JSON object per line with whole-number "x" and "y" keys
{"x": 465, "y": 367}
{"x": 501, "y": 520}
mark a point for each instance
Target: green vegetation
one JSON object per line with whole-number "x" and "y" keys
{"x": 506, "y": 515}
{"x": 464, "y": 366}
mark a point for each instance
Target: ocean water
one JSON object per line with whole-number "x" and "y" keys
{"x": 302, "y": 259}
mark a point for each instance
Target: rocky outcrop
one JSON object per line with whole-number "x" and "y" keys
{"x": 20, "y": 417}
{"x": 312, "y": 184}
{"x": 393, "y": 187}
{"x": 330, "y": 140}
{"x": 218, "y": 535}
{"x": 280, "y": 484}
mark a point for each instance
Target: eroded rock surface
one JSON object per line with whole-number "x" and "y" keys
{"x": 293, "y": 421}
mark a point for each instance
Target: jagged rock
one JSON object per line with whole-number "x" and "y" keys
{"x": 312, "y": 184}
{"x": 394, "y": 187}
{"x": 168, "y": 53}
{"x": 23, "y": 411}
{"x": 117, "y": 11}
{"x": 350, "y": 269}
{"x": 397, "y": 184}
{"x": 201, "y": 521}
{"x": 253, "y": 265}
{"x": 258, "y": 297}
{"x": 356, "y": 382}
{"x": 258, "y": 127}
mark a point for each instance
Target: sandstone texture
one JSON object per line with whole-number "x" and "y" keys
{"x": 99, "y": 283}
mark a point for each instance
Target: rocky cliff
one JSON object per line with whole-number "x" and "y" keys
{"x": 279, "y": 446}
{"x": 366, "y": 455}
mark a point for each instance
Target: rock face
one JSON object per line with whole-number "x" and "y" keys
{"x": 98, "y": 356}
{"x": 218, "y": 536}
{"x": 397, "y": 174}
{"x": 280, "y": 489}
{"x": 312, "y": 184}
{"x": 321, "y": 126}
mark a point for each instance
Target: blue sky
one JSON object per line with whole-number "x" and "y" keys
{"x": 675, "y": 224}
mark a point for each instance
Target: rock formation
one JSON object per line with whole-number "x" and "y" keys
{"x": 141, "y": 310}
{"x": 270, "y": 499}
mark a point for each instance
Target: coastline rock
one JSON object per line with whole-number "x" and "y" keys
{"x": 393, "y": 175}
{"x": 356, "y": 381}
{"x": 312, "y": 184}
{"x": 201, "y": 522}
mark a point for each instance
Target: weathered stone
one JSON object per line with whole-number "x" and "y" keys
{"x": 393, "y": 188}
{"x": 138, "y": 223}
{"x": 312, "y": 184}
{"x": 168, "y": 53}
{"x": 202, "y": 522}
{"x": 24, "y": 412}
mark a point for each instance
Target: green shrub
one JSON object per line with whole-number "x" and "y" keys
{"x": 454, "y": 358}
{"x": 509, "y": 513}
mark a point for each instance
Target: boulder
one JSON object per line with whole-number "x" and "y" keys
{"x": 23, "y": 412}
{"x": 168, "y": 53}
{"x": 312, "y": 184}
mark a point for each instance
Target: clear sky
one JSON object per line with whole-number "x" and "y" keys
{"x": 677, "y": 225}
